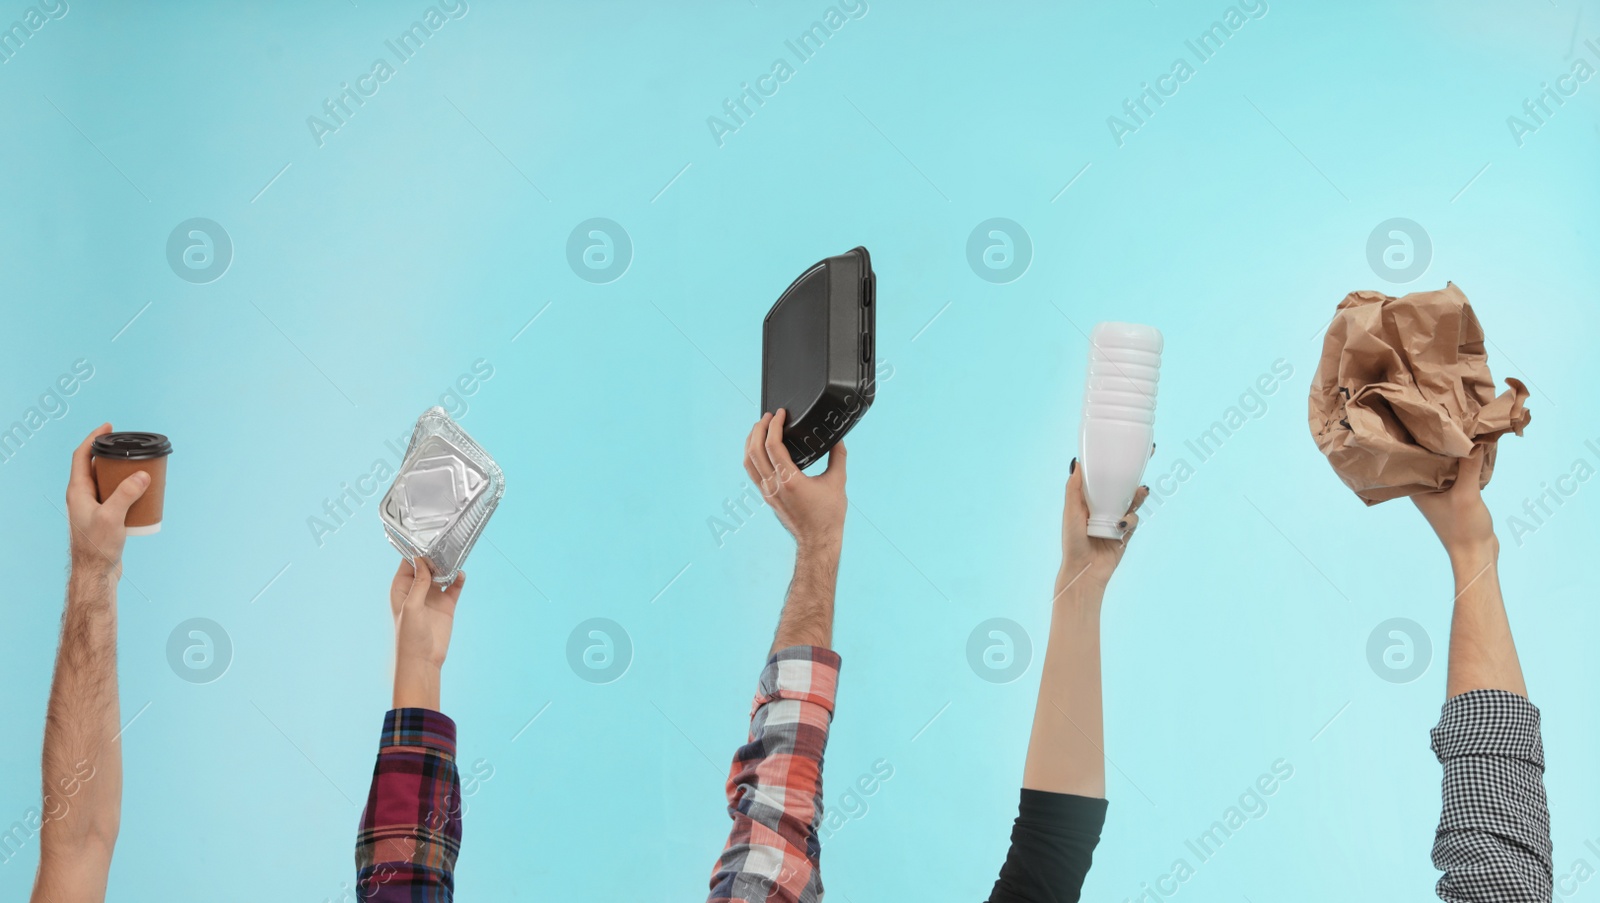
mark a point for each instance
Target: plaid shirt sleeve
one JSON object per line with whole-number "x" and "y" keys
{"x": 775, "y": 785}
{"x": 411, "y": 828}
{"x": 1493, "y": 842}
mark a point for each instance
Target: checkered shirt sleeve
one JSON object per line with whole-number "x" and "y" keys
{"x": 775, "y": 785}
{"x": 1493, "y": 842}
{"x": 411, "y": 828}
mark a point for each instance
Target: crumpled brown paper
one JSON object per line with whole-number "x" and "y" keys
{"x": 1403, "y": 392}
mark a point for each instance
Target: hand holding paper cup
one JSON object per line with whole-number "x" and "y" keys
{"x": 117, "y": 456}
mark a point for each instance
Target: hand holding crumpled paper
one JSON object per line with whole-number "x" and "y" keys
{"x": 1403, "y": 392}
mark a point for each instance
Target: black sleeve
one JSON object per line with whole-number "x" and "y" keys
{"x": 1052, "y": 845}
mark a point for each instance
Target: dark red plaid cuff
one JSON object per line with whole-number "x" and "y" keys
{"x": 411, "y": 828}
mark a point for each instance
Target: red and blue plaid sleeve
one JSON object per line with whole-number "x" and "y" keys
{"x": 411, "y": 829}
{"x": 775, "y": 784}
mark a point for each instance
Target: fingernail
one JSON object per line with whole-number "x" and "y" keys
{"x": 1073, "y": 467}
{"x": 141, "y": 477}
{"x": 1122, "y": 525}
{"x": 1145, "y": 487}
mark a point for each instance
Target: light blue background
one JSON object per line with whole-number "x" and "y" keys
{"x": 427, "y": 232}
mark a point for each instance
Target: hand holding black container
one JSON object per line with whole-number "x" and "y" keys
{"x": 817, "y": 349}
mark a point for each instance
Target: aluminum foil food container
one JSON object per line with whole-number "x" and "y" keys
{"x": 442, "y": 496}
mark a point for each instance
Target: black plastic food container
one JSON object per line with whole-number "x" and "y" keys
{"x": 817, "y": 350}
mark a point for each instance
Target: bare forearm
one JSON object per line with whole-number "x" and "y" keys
{"x": 82, "y": 761}
{"x": 1066, "y": 749}
{"x": 416, "y": 685}
{"x": 1482, "y": 653}
{"x": 807, "y": 618}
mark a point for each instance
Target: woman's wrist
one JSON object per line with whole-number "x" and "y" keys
{"x": 1079, "y": 586}
{"x": 416, "y": 685}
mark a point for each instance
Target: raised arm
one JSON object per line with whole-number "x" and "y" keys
{"x": 82, "y": 762}
{"x": 411, "y": 827}
{"x": 1063, "y": 802}
{"x": 1493, "y": 839}
{"x": 775, "y": 784}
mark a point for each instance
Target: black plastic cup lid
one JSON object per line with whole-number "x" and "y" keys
{"x": 132, "y": 445}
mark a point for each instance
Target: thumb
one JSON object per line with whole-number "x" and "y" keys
{"x": 130, "y": 490}
{"x": 836, "y": 461}
{"x": 1075, "y": 502}
{"x": 1470, "y": 470}
{"x": 444, "y": 600}
{"x": 453, "y": 591}
{"x": 1128, "y": 524}
{"x": 421, "y": 579}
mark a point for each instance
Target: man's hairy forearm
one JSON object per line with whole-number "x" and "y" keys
{"x": 82, "y": 761}
{"x": 807, "y": 618}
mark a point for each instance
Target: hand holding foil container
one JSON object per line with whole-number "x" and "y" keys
{"x": 442, "y": 497}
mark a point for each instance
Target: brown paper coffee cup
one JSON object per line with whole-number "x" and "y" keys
{"x": 117, "y": 456}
